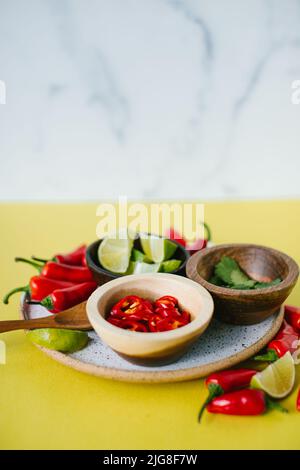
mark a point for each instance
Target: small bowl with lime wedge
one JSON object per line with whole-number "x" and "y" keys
{"x": 110, "y": 258}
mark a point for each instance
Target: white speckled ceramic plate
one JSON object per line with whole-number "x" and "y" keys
{"x": 220, "y": 347}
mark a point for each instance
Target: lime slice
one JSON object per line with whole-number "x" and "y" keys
{"x": 143, "y": 268}
{"x": 170, "y": 265}
{"x": 137, "y": 255}
{"x": 114, "y": 254}
{"x": 278, "y": 379}
{"x": 138, "y": 267}
{"x": 60, "y": 340}
{"x": 158, "y": 249}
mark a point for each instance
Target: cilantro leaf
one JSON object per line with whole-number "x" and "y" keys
{"x": 216, "y": 281}
{"x": 230, "y": 273}
{"x": 260, "y": 285}
{"x": 227, "y": 273}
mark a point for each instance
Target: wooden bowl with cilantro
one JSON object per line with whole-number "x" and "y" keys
{"x": 247, "y": 282}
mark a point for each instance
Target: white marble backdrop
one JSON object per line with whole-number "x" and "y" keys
{"x": 149, "y": 98}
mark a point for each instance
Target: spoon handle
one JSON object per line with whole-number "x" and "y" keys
{"x": 45, "y": 322}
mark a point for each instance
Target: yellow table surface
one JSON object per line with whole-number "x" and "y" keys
{"x": 45, "y": 405}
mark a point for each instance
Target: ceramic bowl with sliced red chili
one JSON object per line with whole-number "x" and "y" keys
{"x": 150, "y": 319}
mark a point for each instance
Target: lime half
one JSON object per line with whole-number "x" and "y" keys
{"x": 278, "y": 379}
{"x": 158, "y": 249}
{"x": 60, "y": 340}
{"x": 114, "y": 254}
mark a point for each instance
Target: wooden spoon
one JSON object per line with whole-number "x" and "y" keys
{"x": 74, "y": 318}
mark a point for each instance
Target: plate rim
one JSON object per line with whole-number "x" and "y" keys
{"x": 163, "y": 376}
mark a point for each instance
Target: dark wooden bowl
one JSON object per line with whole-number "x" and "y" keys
{"x": 102, "y": 276}
{"x": 246, "y": 307}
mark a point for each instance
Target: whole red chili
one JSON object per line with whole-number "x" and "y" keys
{"x": 61, "y": 299}
{"x": 64, "y": 272}
{"x": 197, "y": 245}
{"x": 172, "y": 234}
{"x": 201, "y": 243}
{"x": 298, "y": 401}
{"x": 247, "y": 402}
{"x": 286, "y": 340}
{"x": 39, "y": 287}
{"x": 292, "y": 316}
{"x": 226, "y": 381}
{"x": 74, "y": 258}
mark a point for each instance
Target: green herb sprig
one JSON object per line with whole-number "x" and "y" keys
{"x": 227, "y": 273}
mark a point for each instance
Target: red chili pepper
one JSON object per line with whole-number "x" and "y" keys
{"x": 248, "y": 402}
{"x": 61, "y": 299}
{"x": 286, "y": 340}
{"x": 172, "y": 234}
{"x": 39, "y": 287}
{"x": 197, "y": 245}
{"x": 64, "y": 272}
{"x": 226, "y": 381}
{"x": 201, "y": 243}
{"x": 292, "y": 316}
{"x": 74, "y": 258}
{"x": 168, "y": 324}
{"x": 298, "y": 401}
{"x": 127, "y": 324}
{"x": 129, "y": 305}
{"x": 166, "y": 301}
{"x": 161, "y": 315}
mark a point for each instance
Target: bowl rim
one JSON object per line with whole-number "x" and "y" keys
{"x": 92, "y": 265}
{"x": 193, "y": 261}
{"x": 95, "y": 317}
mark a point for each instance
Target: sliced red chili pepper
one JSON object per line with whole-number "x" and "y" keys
{"x": 186, "y": 316}
{"x": 298, "y": 401}
{"x": 144, "y": 317}
{"x": 153, "y": 323}
{"x": 115, "y": 321}
{"x": 168, "y": 324}
{"x": 166, "y": 301}
{"x": 169, "y": 312}
{"x": 128, "y": 302}
{"x": 162, "y": 315}
{"x": 133, "y": 325}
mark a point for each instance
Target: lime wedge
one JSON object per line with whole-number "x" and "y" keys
{"x": 137, "y": 255}
{"x": 170, "y": 265}
{"x": 158, "y": 249}
{"x": 60, "y": 340}
{"x": 114, "y": 254}
{"x": 278, "y": 379}
{"x": 144, "y": 268}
